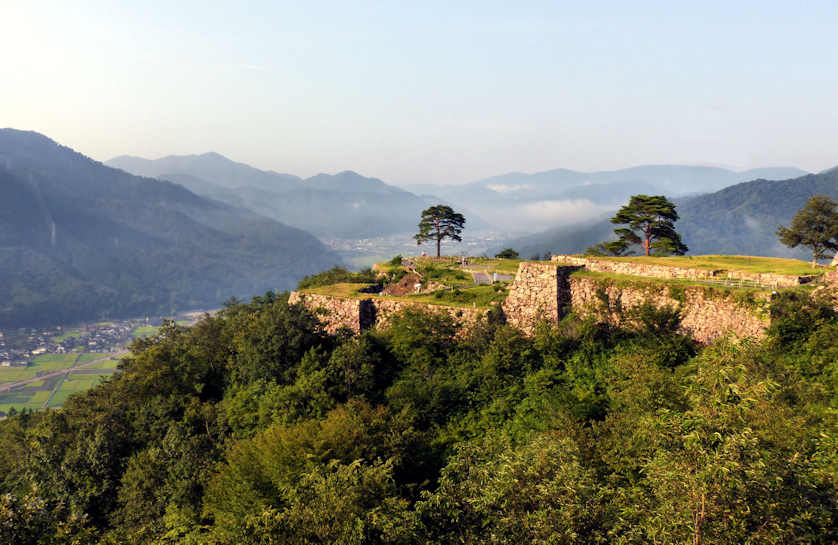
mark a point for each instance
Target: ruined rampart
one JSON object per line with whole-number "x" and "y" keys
{"x": 649, "y": 270}
{"x": 336, "y": 312}
{"x": 547, "y": 291}
{"x": 707, "y": 313}
{"x": 359, "y": 314}
{"x": 540, "y": 292}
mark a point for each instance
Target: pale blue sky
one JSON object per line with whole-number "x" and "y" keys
{"x": 436, "y": 92}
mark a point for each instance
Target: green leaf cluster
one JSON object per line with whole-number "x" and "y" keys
{"x": 650, "y": 224}
{"x": 815, "y": 226}
{"x": 438, "y": 223}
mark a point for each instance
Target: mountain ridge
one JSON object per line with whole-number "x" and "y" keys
{"x": 341, "y": 205}
{"x": 82, "y": 240}
{"x": 739, "y": 219}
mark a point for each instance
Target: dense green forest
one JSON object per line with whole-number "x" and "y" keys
{"x": 256, "y": 427}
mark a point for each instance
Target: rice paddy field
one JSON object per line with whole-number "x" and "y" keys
{"x": 53, "y": 391}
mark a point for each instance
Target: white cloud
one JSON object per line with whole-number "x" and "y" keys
{"x": 752, "y": 223}
{"x": 563, "y": 212}
{"x": 501, "y": 188}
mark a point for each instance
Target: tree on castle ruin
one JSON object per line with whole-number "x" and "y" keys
{"x": 815, "y": 226}
{"x": 440, "y": 222}
{"x": 650, "y": 223}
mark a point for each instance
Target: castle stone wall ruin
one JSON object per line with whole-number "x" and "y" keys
{"x": 547, "y": 291}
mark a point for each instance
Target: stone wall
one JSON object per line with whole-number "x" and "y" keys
{"x": 706, "y": 314}
{"x": 465, "y": 318}
{"x": 547, "y": 291}
{"x": 635, "y": 269}
{"x": 649, "y": 270}
{"x": 360, "y": 314}
{"x": 540, "y": 292}
{"x": 336, "y": 312}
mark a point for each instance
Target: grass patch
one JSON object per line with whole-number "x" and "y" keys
{"x": 87, "y": 357}
{"x": 748, "y": 296}
{"x": 21, "y": 399}
{"x": 6, "y": 407}
{"x": 479, "y": 296}
{"x": 445, "y": 275}
{"x": 40, "y": 397}
{"x": 343, "y": 289}
{"x": 106, "y": 364}
{"x": 335, "y": 275}
{"x": 14, "y": 374}
{"x": 498, "y": 265}
{"x": 144, "y": 331}
{"x": 76, "y": 383}
{"x": 53, "y": 362}
{"x": 40, "y": 364}
{"x": 60, "y": 398}
{"x": 750, "y": 264}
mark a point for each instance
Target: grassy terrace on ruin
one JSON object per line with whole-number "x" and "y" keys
{"x": 456, "y": 286}
{"x": 749, "y": 264}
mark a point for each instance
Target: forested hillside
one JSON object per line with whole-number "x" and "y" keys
{"x": 81, "y": 241}
{"x": 255, "y": 427}
{"x": 343, "y": 205}
{"x": 743, "y": 219}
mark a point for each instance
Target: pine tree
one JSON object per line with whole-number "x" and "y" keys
{"x": 650, "y": 221}
{"x": 440, "y": 222}
{"x": 815, "y": 226}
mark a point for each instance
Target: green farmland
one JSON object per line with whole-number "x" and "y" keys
{"x": 53, "y": 391}
{"x": 40, "y": 364}
{"x": 145, "y": 331}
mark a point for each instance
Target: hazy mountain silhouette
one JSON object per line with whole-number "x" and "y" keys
{"x": 343, "y": 205}
{"x": 670, "y": 179}
{"x": 526, "y": 200}
{"x": 80, "y": 240}
{"x": 740, "y": 219}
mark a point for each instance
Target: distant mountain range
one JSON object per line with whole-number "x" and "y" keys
{"x": 740, "y": 219}
{"x": 567, "y": 197}
{"x": 80, "y": 241}
{"x": 672, "y": 180}
{"x": 345, "y": 205}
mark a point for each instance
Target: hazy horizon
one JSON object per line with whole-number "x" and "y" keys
{"x": 732, "y": 168}
{"x": 434, "y": 94}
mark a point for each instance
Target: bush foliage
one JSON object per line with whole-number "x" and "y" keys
{"x": 255, "y": 426}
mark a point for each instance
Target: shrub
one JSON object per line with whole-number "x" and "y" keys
{"x": 336, "y": 275}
